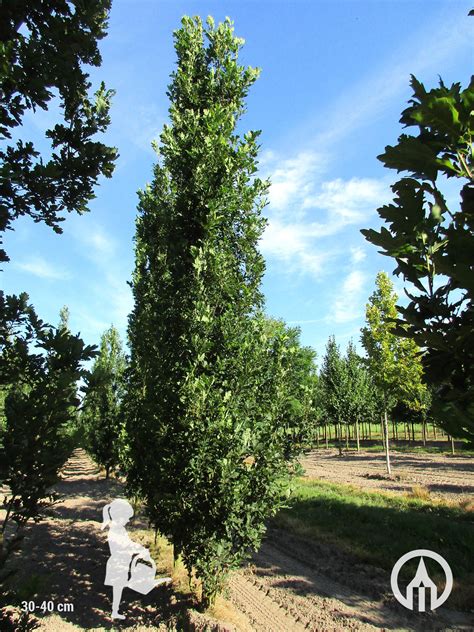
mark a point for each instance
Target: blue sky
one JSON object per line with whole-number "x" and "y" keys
{"x": 335, "y": 78}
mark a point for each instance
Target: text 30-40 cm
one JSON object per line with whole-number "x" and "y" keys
{"x": 46, "y": 606}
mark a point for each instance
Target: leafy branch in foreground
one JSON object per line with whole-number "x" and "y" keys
{"x": 44, "y": 45}
{"x": 433, "y": 244}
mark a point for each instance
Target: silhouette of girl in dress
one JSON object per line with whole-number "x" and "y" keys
{"x": 124, "y": 566}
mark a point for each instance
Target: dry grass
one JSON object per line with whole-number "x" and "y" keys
{"x": 225, "y": 611}
{"x": 420, "y": 492}
{"x": 467, "y": 504}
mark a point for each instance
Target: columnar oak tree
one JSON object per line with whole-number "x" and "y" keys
{"x": 206, "y": 385}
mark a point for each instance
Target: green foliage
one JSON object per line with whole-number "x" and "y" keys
{"x": 347, "y": 394}
{"x": 333, "y": 379}
{"x": 101, "y": 414}
{"x": 394, "y": 362}
{"x": 39, "y": 368}
{"x": 207, "y": 388}
{"x": 300, "y": 410}
{"x": 44, "y": 45}
{"x": 433, "y": 244}
{"x": 360, "y": 397}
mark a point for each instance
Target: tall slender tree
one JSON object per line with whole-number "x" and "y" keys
{"x": 394, "y": 362}
{"x": 206, "y": 387}
{"x": 333, "y": 378}
{"x": 359, "y": 392}
{"x": 102, "y": 407}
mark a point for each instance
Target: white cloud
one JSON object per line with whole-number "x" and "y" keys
{"x": 39, "y": 267}
{"x": 348, "y": 303}
{"x": 292, "y": 245}
{"x": 293, "y": 236}
{"x": 358, "y": 254}
{"x": 97, "y": 244}
{"x": 292, "y": 179}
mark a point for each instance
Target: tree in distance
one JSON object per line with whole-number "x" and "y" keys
{"x": 394, "y": 362}
{"x": 433, "y": 244}
{"x": 101, "y": 414}
{"x": 333, "y": 380}
{"x": 43, "y": 46}
{"x": 207, "y": 387}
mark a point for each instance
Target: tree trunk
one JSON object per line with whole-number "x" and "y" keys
{"x": 347, "y": 436}
{"x": 370, "y": 431}
{"x": 9, "y": 509}
{"x": 387, "y": 449}
{"x": 357, "y": 435}
{"x": 434, "y": 431}
{"x": 423, "y": 432}
{"x": 326, "y": 435}
{"x": 413, "y": 430}
{"x": 452, "y": 444}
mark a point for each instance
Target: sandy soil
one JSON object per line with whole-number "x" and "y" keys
{"x": 322, "y": 590}
{"x": 291, "y": 585}
{"x": 445, "y": 476}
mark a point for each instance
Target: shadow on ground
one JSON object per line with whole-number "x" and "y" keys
{"x": 63, "y": 558}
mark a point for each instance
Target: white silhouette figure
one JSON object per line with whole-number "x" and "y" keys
{"x": 129, "y": 563}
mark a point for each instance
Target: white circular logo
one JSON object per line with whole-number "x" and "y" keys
{"x": 422, "y": 581}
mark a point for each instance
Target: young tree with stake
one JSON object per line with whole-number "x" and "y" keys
{"x": 394, "y": 362}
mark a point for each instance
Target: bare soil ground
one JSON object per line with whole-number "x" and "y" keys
{"x": 444, "y": 476}
{"x": 291, "y": 585}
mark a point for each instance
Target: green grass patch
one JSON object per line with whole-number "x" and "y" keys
{"x": 378, "y": 528}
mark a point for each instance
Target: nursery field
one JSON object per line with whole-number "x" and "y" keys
{"x": 439, "y": 475}
{"x": 324, "y": 564}
{"x": 168, "y": 358}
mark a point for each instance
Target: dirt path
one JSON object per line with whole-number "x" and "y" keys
{"x": 449, "y": 477}
{"x": 292, "y": 585}
{"x": 63, "y": 558}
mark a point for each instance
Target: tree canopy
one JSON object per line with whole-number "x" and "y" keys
{"x": 44, "y": 45}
